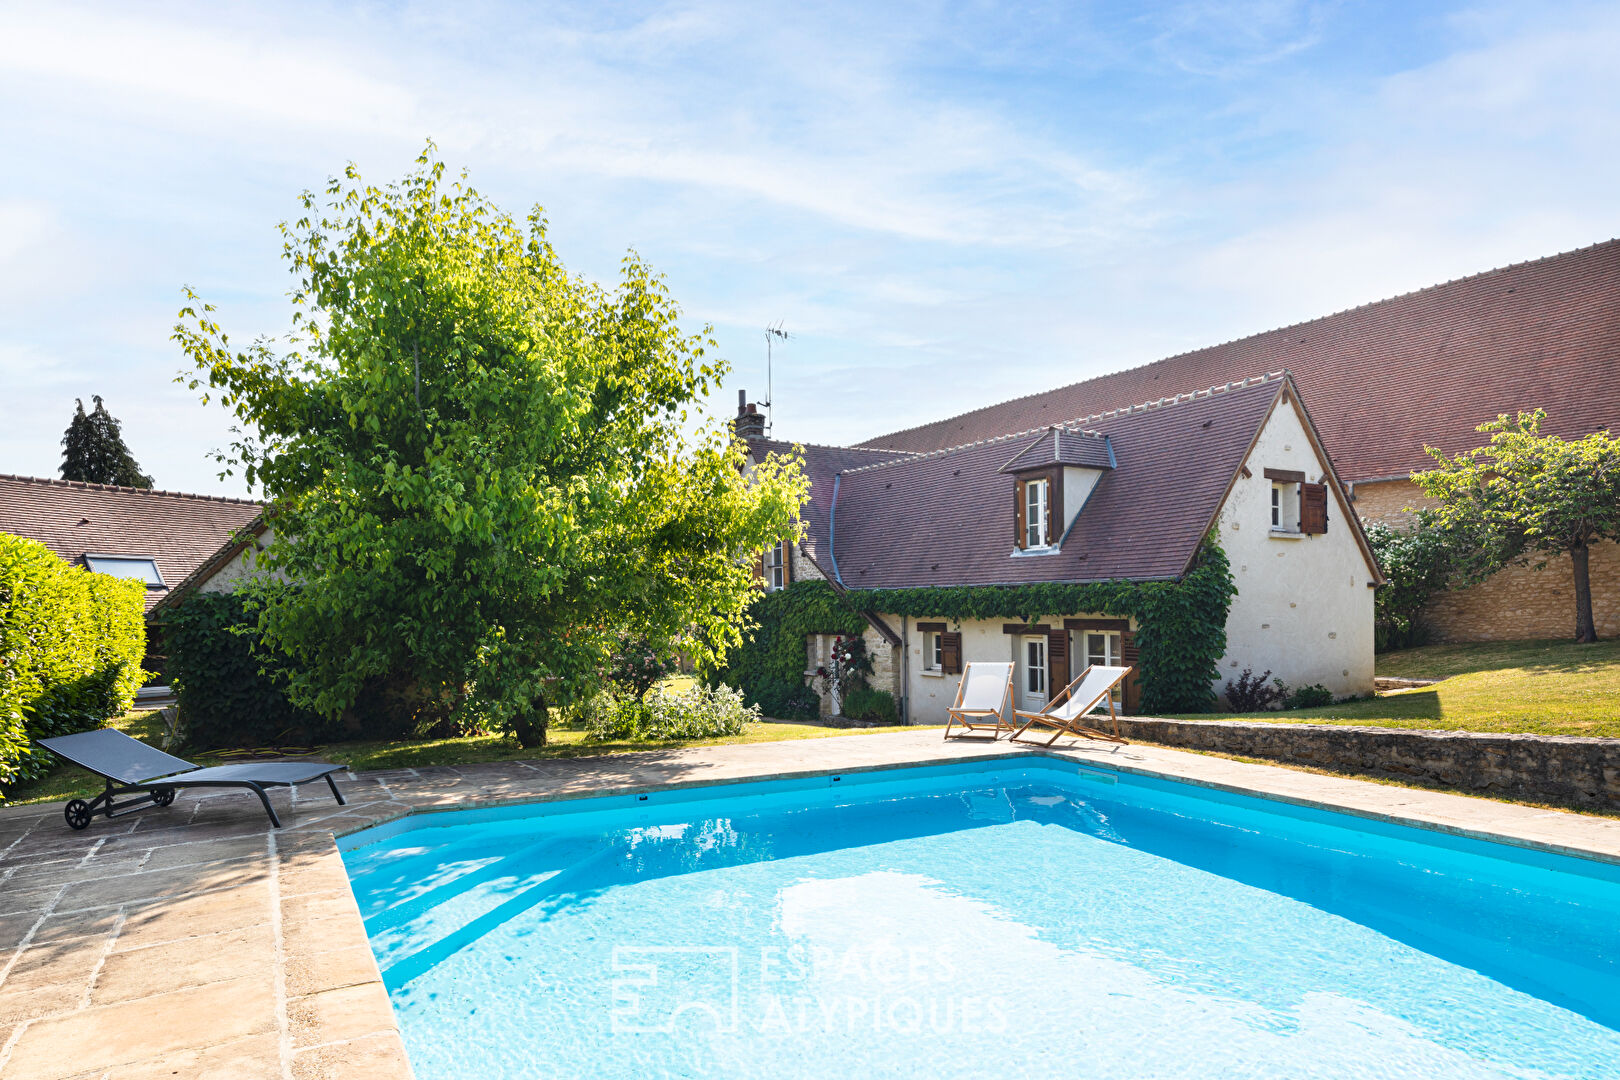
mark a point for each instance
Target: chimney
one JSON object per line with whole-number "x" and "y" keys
{"x": 750, "y": 422}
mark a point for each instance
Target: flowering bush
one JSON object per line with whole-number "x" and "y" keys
{"x": 696, "y": 713}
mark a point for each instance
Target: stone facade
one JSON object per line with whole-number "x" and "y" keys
{"x": 1520, "y": 601}
{"x": 1555, "y": 768}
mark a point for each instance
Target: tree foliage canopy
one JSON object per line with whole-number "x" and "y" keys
{"x": 93, "y": 450}
{"x": 478, "y": 464}
{"x": 1527, "y": 496}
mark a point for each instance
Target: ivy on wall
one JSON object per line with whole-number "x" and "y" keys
{"x": 1181, "y": 624}
{"x": 769, "y": 668}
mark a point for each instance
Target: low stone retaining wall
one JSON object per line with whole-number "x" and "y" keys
{"x": 1550, "y": 768}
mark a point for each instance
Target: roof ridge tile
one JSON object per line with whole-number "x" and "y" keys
{"x": 86, "y": 485}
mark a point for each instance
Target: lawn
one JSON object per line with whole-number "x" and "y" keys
{"x": 1544, "y": 687}
{"x": 67, "y": 781}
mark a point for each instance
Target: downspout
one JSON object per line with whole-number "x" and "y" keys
{"x": 905, "y": 669}
{"x": 832, "y": 531}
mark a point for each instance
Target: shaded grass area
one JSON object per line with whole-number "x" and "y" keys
{"x": 69, "y": 781}
{"x": 1539, "y": 687}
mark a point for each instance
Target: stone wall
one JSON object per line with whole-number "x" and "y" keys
{"x": 1551, "y": 768}
{"x": 1520, "y": 601}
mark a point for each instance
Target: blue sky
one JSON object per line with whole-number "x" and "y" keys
{"x": 946, "y": 205}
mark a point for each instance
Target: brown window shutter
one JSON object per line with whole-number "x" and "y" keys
{"x": 1057, "y": 660}
{"x": 1313, "y": 508}
{"x": 950, "y": 646}
{"x": 759, "y": 568}
{"x": 1054, "y": 505}
{"x": 787, "y": 563}
{"x": 1131, "y": 696}
{"x": 1018, "y": 514}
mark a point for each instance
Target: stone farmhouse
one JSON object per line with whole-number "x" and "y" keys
{"x": 1127, "y": 494}
{"x": 1388, "y": 378}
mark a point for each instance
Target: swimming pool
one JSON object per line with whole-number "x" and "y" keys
{"x": 1027, "y": 918}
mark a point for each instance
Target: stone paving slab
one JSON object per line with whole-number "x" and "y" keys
{"x": 194, "y": 941}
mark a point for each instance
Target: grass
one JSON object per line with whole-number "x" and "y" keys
{"x": 70, "y": 782}
{"x": 1540, "y": 687}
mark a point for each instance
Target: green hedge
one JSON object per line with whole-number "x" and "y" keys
{"x": 71, "y": 644}
{"x": 217, "y": 667}
{"x": 1181, "y": 625}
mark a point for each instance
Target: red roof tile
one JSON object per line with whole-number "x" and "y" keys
{"x": 1386, "y": 378}
{"x": 178, "y": 531}
{"x": 946, "y": 518}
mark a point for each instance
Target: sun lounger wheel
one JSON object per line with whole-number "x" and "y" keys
{"x": 77, "y": 813}
{"x": 163, "y": 796}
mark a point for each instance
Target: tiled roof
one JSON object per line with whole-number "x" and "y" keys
{"x": 946, "y": 518}
{"x": 1063, "y": 446}
{"x": 178, "y": 531}
{"x": 1386, "y": 378}
{"x": 820, "y": 463}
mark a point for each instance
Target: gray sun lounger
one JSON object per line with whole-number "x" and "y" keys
{"x": 131, "y": 767}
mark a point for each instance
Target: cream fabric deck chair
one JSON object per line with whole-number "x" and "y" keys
{"x": 981, "y": 699}
{"x": 1069, "y": 710}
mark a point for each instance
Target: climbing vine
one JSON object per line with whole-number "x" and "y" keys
{"x": 1181, "y": 625}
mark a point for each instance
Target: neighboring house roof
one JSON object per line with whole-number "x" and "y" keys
{"x": 945, "y": 518}
{"x": 1387, "y": 378}
{"x": 176, "y": 530}
{"x": 821, "y": 463}
{"x": 239, "y": 541}
{"x": 1063, "y": 446}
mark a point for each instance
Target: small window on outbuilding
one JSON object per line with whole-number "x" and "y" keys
{"x": 1296, "y": 506}
{"x": 139, "y": 567}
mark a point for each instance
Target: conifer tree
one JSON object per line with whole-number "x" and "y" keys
{"x": 93, "y": 450}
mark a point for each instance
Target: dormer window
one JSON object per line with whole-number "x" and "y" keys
{"x": 1037, "y": 513}
{"x": 1054, "y": 474}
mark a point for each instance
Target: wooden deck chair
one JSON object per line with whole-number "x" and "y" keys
{"x": 981, "y": 699}
{"x": 1069, "y": 710}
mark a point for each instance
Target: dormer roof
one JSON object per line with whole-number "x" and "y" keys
{"x": 1063, "y": 446}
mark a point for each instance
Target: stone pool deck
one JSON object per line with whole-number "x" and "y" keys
{"x": 197, "y": 942}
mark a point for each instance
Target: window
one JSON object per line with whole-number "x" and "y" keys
{"x": 1036, "y": 497}
{"x": 1285, "y": 485}
{"x": 1035, "y": 666}
{"x": 933, "y": 651}
{"x": 775, "y": 574}
{"x": 1104, "y": 648}
{"x": 1276, "y": 506}
{"x": 138, "y": 567}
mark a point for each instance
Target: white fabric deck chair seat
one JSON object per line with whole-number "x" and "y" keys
{"x": 1068, "y": 711}
{"x": 981, "y": 699}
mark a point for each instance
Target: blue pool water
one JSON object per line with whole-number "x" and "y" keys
{"x": 1029, "y": 919}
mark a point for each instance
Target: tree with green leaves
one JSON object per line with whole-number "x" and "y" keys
{"x": 93, "y": 450}
{"x": 1526, "y": 497}
{"x": 482, "y": 469}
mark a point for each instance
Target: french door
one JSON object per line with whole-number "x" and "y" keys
{"x": 1032, "y": 682}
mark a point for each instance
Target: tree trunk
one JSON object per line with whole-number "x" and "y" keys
{"x": 1585, "y": 627}
{"x": 530, "y": 727}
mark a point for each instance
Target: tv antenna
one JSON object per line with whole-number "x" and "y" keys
{"x": 772, "y": 334}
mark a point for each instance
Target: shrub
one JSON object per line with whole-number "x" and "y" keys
{"x": 864, "y": 703}
{"x": 70, "y": 652}
{"x": 217, "y": 666}
{"x": 1417, "y": 563}
{"x": 696, "y": 713}
{"x": 1308, "y": 697}
{"x": 636, "y": 665}
{"x": 1254, "y": 694}
{"x": 787, "y": 701}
